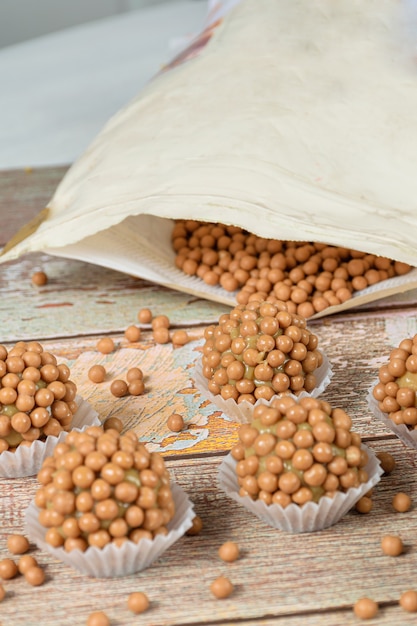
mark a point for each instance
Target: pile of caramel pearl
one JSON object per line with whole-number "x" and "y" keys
{"x": 298, "y": 450}
{"x": 259, "y": 350}
{"x": 308, "y": 276}
{"x": 37, "y": 397}
{"x": 101, "y": 487}
{"x": 396, "y": 390}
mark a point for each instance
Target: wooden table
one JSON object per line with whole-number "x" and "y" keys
{"x": 296, "y": 580}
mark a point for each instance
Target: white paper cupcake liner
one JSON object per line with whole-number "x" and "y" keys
{"x": 309, "y": 517}
{"x": 113, "y": 561}
{"x": 407, "y": 436}
{"x": 243, "y": 411}
{"x": 27, "y": 461}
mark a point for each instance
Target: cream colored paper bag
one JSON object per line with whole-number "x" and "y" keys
{"x": 297, "y": 121}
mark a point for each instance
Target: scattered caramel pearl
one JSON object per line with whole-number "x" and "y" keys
{"x": 39, "y": 279}
{"x": 98, "y": 618}
{"x": 387, "y": 461}
{"x": 160, "y": 321}
{"x": 175, "y": 422}
{"x": 8, "y": 569}
{"x": 136, "y": 387}
{"x": 113, "y": 423}
{"x": 132, "y": 333}
{"x": 196, "y": 527}
{"x": 145, "y": 316}
{"x": 161, "y": 334}
{"x": 408, "y": 601}
{"x": 221, "y": 587}
{"x": 180, "y": 337}
{"x": 105, "y": 345}
{"x": 138, "y": 602}
{"x": 17, "y": 544}
{"x": 25, "y": 562}
{"x": 365, "y": 608}
{"x": 229, "y": 551}
{"x": 401, "y": 502}
{"x": 392, "y": 545}
{"x": 97, "y": 373}
{"x": 119, "y": 388}
{"x": 134, "y": 373}
{"x": 35, "y": 576}
{"x": 364, "y": 505}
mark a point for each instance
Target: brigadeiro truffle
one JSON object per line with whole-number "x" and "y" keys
{"x": 298, "y": 465}
{"x": 256, "y": 352}
{"x": 393, "y": 398}
{"x": 38, "y": 406}
{"x": 106, "y": 505}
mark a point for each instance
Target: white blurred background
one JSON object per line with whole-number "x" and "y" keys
{"x": 66, "y": 66}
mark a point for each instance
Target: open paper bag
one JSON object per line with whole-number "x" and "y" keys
{"x": 293, "y": 119}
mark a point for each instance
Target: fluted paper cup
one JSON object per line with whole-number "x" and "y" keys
{"x": 309, "y": 517}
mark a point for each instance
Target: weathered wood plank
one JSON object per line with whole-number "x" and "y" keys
{"x": 280, "y": 578}
{"x": 23, "y": 193}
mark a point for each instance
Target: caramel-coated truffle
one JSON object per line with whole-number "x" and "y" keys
{"x": 401, "y": 502}
{"x": 260, "y": 350}
{"x": 196, "y": 527}
{"x": 392, "y": 545}
{"x": 39, "y": 279}
{"x": 98, "y": 618}
{"x": 105, "y": 345}
{"x": 298, "y": 450}
{"x": 101, "y": 487}
{"x": 175, "y": 422}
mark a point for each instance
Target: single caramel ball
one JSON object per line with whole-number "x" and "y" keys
{"x": 17, "y": 544}
{"x": 180, "y": 337}
{"x": 196, "y": 527}
{"x": 35, "y": 576}
{"x": 119, "y": 388}
{"x": 229, "y": 551}
{"x": 161, "y": 335}
{"x": 136, "y": 387}
{"x": 97, "y": 373}
{"x": 160, "y": 321}
{"x": 134, "y": 373}
{"x": 175, "y": 422}
{"x": 113, "y": 423}
{"x": 387, "y": 461}
{"x": 408, "y": 601}
{"x": 105, "y": 345}
{"x": 221, "y": 587}
{"x": 25, "y": 562}
{"x": 365, "y": 608}
{"x": 8, "y": 569}
{"x": 401, "y": 502}
{"x": 145, "y": 316}
{"x": 138, "y": 602}
{"x": 364, "y": 505}
{"x": 98, "y": 618}
{"x": 132, "y": 333}
{"x": 39, "y": 279}
{"x": 392, "y": 545}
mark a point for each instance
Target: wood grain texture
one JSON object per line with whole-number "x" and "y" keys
{"x": 23, "y": 194}
{"x": 309, "y": 579}
{"x": 290, "y": 580}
